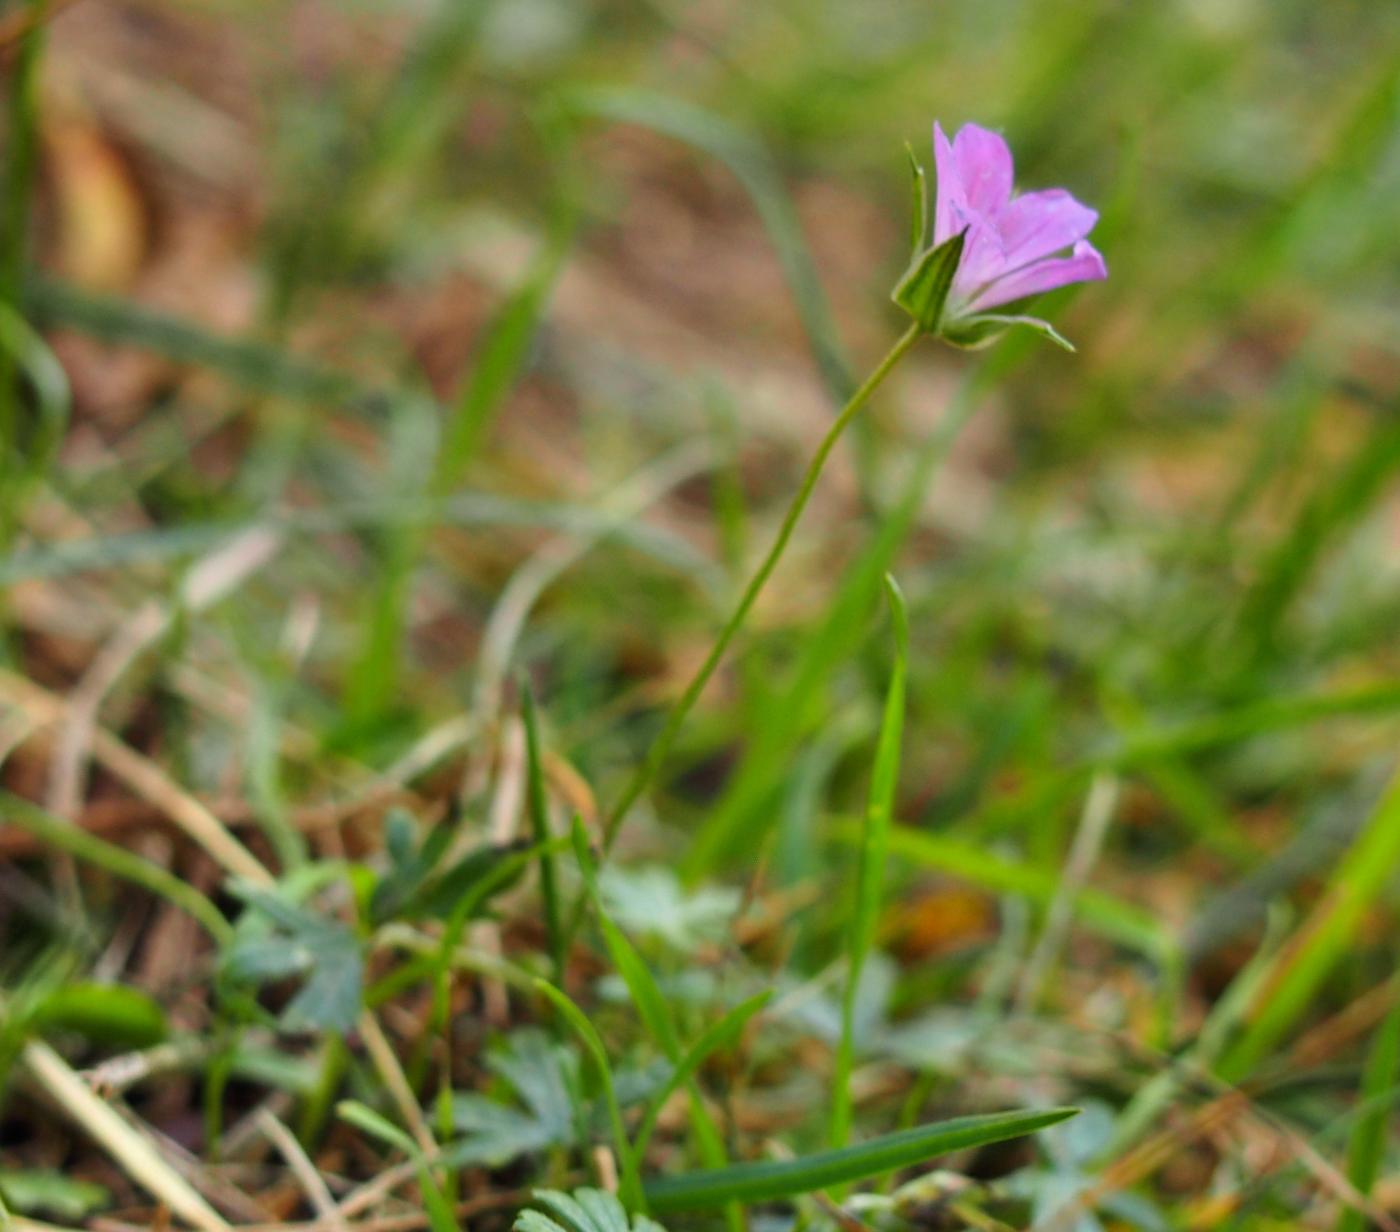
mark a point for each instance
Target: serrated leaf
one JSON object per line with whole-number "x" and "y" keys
{"x": 302, "y": 941}
{"x": 494, "y": 1134}
{"x": 923, "y": 290}
{"x": 260, "y": 960}
{"x": 585, "y": 1210}
{"x": 333, "y": 995}
{"x": 650, "y": 901}
{"x": 544, "y": 1075}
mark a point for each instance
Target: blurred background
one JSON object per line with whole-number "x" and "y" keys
{"x": 360, "y": 356}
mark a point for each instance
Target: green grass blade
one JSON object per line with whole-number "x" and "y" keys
{"x": 592, "y": 1042}
{"x": 714, "y": 1037}
{"x": 1341, "y": 500}
{"x": 17, "y": 178}
{"x": 1368, "y": 1135}
{"x": 538, "y": 807}
{"x": 793, "y": 710}
{"x": 641, "y": 984}
{"x": 499, "y": 362}
{"x": 115, "y": 860}
{"x": 253, "y": 366}
{"x": 753, "y": 168}
{"x": 765, "y": 1181}
{"x": 468, "y": 509}
{"x": 874, "y": 848}
{"x": 440, "y": 1216}
{"x": 31, "y": 355}
{"x": 661, "y": 745}
{"x": 1124, "y": 923}
{"x": 654, "y": 1009}
{"x": 1324, "y": 938}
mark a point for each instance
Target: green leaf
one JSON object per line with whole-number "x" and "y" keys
{"x": 641, "y": 984}
{"x": 1291, "y": 986}
{"x": 494, "y": 1134}
{"x": 104, "y": 1013}
{"x": 115, "y": 860}
{"x": 923, "y": 290}
{"x": 364, "y": 1118}
{"x": 298, "y": 941}
{"x": 650, "y": 902}
{"x": 585, "y": 1210}
{"x": 250, "y": 365}
{"x": 41, "y": 1191}
{"x": 333, "y": 995}
{"x": 261, "y": 960}
{"x": 1123, "y": 922}
{"x": 410, "y": 865}
{"x": 544, "y": 1075}
{"x": 766, "y": 1180}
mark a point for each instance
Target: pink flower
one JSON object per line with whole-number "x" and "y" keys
{"x": 1012, "y": 243}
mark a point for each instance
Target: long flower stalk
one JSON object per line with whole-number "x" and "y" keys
{"x": 666, "y": 738}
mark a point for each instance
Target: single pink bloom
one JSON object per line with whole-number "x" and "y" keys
{"x": 1012, "y": 243}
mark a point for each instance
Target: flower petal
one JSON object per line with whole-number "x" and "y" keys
{"x": 1040, "y": 224}
{"x": 950, "y": 202}
{"x": 1023, "y": 231}
{"x": 974, "y": 179}
{"x": 1085, "y": 265}
{"x": 984, "y": 166}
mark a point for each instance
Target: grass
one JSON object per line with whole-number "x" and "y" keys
{"x": 451, "y": 742}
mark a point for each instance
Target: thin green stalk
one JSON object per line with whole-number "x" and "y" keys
{"x": 874, "y": 849}
{"x": 661, "y": 746}
{"x": 655, "y": 1011}
{"x": 629, "y": 1185}
{"x": 331, "y": 1067}
{"x": 539, "y": 820}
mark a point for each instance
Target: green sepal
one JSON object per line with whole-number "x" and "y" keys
{"x": 923, "y": 291}
{"x": 918, "y": 218}
{"x": 982, "y": 330}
